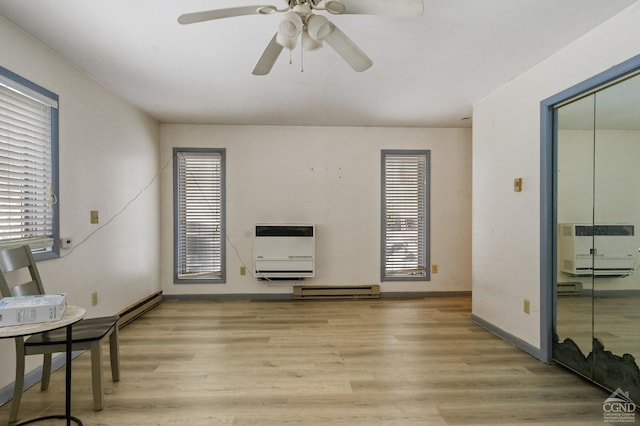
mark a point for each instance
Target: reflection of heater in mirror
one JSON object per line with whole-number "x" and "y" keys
{"x": 603, "y": 250}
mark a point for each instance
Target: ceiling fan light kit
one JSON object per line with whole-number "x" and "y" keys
{"x": 291, "y": 25}
{"x": 309, "y": 44}
{"x": 300, "y": 21}
{"x": 286, "y": 42}
{"x": 318, "y": 27}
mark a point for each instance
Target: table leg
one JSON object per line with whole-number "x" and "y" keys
{"x": 67, "y": 396}
{"x": 67, "y": 391}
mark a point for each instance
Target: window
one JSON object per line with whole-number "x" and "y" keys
{"x": 28, "y": 166}
{"x": 405, "y": 215}
{"x": 199, "y": 229}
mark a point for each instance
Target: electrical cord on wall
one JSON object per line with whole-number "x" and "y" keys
{"x": 131, "y": 201}
{"x": 235, "y": 249}
{"x": 119, "y": 212}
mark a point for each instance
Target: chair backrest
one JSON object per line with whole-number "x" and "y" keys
{"x": 11, "y": 262}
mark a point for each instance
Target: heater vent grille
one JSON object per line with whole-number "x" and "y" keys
{"x": 337, "y": 292}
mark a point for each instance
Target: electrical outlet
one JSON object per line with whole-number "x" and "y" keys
{"x": 66, "y": 243}
{"x": 527, "y": 306}
{"x": 243, "y": 270}
{"x": 517, "y": 184}
{"x": 434, "y": 269}
{"x": 94, "y": 298}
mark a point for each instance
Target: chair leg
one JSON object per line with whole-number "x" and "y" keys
{"x": 96, "y": 376}
{"x": 114, "y": 354}
{"x": 46, "y": 372}
{"x": 19, "y": 383}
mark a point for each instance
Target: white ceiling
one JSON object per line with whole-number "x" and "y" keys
{"x": 427, "y": 71}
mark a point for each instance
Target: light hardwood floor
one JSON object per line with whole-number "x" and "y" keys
{"x": 367, "y": 362}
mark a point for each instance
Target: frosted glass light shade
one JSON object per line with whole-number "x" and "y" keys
{"x": 310, "y": 44}
{"x": 286, "y": 42}
{"x": 291, "y": 25}
{"x": 319, "y": 27}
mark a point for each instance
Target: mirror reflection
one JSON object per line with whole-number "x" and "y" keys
{"x": 598, "y": 220}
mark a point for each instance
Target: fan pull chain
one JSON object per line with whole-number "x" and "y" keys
{"x": 301, "y": 58}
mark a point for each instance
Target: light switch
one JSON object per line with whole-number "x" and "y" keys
{"x": 94, "y": 216}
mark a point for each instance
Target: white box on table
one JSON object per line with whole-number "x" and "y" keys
{"x": 31, "y": 309}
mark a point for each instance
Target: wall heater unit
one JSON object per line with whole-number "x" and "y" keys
{"x": 605, "y": 250}
{"x": 284, "y": 251}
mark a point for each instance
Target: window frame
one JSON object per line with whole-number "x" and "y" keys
{"x": 36, "y": 92}
{"x": 426, "y": 274}
{"x": 221, "y": 279}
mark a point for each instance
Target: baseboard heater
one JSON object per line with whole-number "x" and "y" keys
{"x": 573, "y": 287}
{"x": 336, "y": 292}
{"x": 136, "y": 310}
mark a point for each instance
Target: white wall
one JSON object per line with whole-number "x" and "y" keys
{"x": 329, "y": 177}
{"x": 108, "y": 152}
{"x": 506, "y": 144}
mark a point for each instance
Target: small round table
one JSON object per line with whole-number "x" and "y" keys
{"x": 72, "y": 314}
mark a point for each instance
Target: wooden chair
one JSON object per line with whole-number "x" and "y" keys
{"x": 88, "y": 334}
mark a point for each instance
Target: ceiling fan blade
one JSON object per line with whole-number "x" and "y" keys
{"x": 268, "y": 58}
{"x": 349, "y": 51}
{"x": 209, "y": 15}
{"x": 402, "y": 8}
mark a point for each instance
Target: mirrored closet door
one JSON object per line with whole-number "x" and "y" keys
{"x": 597, "y": 302}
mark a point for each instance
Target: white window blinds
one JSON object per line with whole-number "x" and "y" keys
{"x": 404, "y": 228}
{"x": 199, "y": 210}
{"x": 26, "y": 182}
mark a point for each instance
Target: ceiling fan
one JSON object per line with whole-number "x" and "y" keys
{"x": 300, "y": 21}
